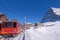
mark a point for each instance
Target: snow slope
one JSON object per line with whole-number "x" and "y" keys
{"x": 45, "y": 33}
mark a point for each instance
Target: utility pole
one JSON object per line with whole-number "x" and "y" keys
{"x": 24, "y": 21}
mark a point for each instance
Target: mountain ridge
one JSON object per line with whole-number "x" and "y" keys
{"x": 52, "y": 15}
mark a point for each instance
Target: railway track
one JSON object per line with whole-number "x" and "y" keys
{"x": 10, "y": 38}
{"x": 2, "y": 38}
{"x": 21, "y": 36}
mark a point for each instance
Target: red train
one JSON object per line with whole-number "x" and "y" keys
{"x": 10, "y": 28}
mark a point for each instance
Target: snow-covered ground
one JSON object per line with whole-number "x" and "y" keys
{"x": 50, "y": 32}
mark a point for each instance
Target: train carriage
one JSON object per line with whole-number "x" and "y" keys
{"x": 10, "y": 28}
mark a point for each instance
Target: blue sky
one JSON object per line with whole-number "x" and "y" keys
{"x": 34, "y": 10}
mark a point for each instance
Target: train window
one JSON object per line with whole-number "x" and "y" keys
{"x": 7, "y": 24}
{"x": 14, "y": 24}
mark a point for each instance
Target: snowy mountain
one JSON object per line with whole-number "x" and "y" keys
{"x": 52, "y": 15}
